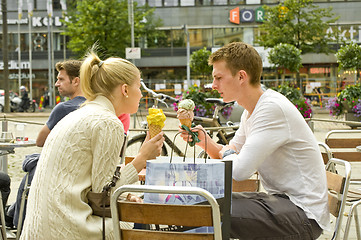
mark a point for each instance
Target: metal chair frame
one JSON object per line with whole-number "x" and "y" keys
{"x": 341, "y": 195}
{"x": 216, "y": 216}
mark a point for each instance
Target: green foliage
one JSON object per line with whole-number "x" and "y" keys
{"x": 198, "y": 95}
{"x": 199, "y": 62}
{"x": 349, "y": 57}
{"x": 345, "y": 101}
{"x": 202, "y": 108}
{"x": 287, "y": 56}
{"x": 299, "y": 23}
{"x": 106, "y": 22}
{"x": 295, "y": 96}
{"x": 351, "y": 94}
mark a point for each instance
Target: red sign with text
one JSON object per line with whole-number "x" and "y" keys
{"x": 234, "y": 15}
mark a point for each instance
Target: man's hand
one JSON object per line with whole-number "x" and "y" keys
{"x": 201, "y": 135}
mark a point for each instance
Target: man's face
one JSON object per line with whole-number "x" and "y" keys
{"x": 224, "y": 82}
{"x": 64, "y": 85}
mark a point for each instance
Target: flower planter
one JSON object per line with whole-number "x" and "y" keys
{"x": 350, "y": 116}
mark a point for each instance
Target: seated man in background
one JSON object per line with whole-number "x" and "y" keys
{"x": 4, "y": 187}
{"x": 68, "y": 85}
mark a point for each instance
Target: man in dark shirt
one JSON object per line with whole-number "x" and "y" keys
{"x": 68, "y": 85}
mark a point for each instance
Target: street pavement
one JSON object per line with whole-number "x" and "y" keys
{"x": 35, "y": 121}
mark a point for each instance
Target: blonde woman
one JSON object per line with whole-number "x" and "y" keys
{"x": 81, "y": 154}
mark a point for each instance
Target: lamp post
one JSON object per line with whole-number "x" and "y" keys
{"x": 188, "y": 56}
{"x": 5, "y": 84}
{"x": 131, "y": 22}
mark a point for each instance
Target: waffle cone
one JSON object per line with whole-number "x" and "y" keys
{"x": 187, "y": 122}
{"x": 154, "y": 130}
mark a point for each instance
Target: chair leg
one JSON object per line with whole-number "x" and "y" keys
{"x": 349, "y": 218}
{"x": 22, "y": 206}
{"x": 357, "y": 224}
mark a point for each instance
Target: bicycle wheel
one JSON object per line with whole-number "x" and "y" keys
{"x": 136, "y": 142}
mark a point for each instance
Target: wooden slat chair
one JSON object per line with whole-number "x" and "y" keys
{"x": 164, "y": 214}
{"x": 338, "y": 185}
{"x": 353, "y": 195}
{"x": 325, "y": 152}
{"x": 248, "y": 185}
{"x": 343, "y": 144}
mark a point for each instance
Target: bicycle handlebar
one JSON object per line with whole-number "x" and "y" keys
{"x": 159, "y": 96}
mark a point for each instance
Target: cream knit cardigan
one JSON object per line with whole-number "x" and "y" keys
{"x": 80, "y": 154}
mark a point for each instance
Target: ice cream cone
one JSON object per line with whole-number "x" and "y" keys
{"x": 187, "y": 122}
{"x": 154, "y": 130}
{"x": 155, "y": 121}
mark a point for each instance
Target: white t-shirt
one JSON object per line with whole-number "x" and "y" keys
{"x": 276, "y": 141}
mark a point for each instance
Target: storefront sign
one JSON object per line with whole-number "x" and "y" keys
{"x": 347, "y": 33}
{"x": 246, "y": 15}
{"x": 14, "y": 65}
{"x": 23, "y": 76}
{"x": 37, "y": 21}
{"x": 324, "y": 70}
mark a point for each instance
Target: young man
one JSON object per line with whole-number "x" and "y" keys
{"x": 68, "y": 85}
{"x": 274, "y": 140}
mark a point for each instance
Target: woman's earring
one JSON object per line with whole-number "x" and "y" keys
{"x": 126, "y": 96}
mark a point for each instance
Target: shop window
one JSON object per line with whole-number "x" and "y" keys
{"x": 223, "y": 36}
{"x": 56, "y": 4}
{"x": 187, "y": 3}
{"x": 219, "y": 2}
{"x": 237, "y": 2}
{"x": 155, "y": 3}
{"x": 140, "y": 2}
{"x": 203, "y": 2}
{"x": 170, "y": 3}
{"x": 269, "y": 1}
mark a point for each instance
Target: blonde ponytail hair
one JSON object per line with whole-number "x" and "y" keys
{"x": 99, "y": 78}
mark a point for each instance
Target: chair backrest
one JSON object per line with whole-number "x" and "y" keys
{"x": 326, "y": 152}
{"x": 338, "y": 184}
{"x": 248, "y": 185}
{"x": 164, "y": 214}
{"x": 343, "y": 144}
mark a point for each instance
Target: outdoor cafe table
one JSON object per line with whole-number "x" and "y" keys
{"x": 8, "y": 148}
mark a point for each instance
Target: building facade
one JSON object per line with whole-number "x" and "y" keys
{"x": 207, "y": 23}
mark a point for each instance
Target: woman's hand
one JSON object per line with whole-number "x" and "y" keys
{"x": 134, "y": 198}
{"x": 150, "y": 149}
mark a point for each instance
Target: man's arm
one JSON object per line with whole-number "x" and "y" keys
{"x": 43, "y": 134}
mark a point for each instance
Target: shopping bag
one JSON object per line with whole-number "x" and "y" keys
{"x": 179, "y": 171}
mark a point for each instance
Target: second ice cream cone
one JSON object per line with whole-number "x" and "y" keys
{"x": 187, "y": 122}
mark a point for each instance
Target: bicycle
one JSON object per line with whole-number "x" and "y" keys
{"x": 212, "y": 125}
